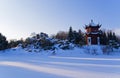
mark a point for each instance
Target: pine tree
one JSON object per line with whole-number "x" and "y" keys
{"x": 103, "y": 38}
{"x": 114, "y": 37}
{"x": 3, "y": 42}
{"x": 79, "y": 38}
{"x": 110, "y": 35}
{"x": 70, "y": 34}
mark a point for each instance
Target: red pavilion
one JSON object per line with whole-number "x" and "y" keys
{"x": 92, "y": 33}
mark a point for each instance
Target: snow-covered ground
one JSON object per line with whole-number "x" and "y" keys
{"x": 64, "y": 64}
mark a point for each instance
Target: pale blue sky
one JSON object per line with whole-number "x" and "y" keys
{"x": 19, "y": 18}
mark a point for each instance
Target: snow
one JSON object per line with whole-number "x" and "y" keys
{"x": 17, "y": 63}
{"x": 94, "y": 49}
{"x": 92, "y": 23}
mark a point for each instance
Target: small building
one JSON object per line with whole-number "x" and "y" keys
{"x": 92, "y": 33}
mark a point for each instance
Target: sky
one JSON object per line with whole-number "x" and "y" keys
{"x": 20, "y": 18}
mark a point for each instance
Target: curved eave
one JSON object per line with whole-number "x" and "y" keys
{"x": 98, "y": 26}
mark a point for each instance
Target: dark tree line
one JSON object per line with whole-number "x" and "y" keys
{"x": 109, "y": 38}
{"x": 71, "y": 36}
{"x": 76, "y": 37}
{"x": 14, "y": 43}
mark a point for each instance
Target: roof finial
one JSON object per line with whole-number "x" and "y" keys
{"x": 91, "y": 20}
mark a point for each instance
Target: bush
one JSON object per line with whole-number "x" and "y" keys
{"x": 14, "y": 43}
{"x": 46, "y": 44}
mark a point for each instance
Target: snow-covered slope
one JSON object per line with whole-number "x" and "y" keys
{"x": 17, "y": 63}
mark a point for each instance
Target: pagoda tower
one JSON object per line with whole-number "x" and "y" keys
{"x": 92, "y": 33}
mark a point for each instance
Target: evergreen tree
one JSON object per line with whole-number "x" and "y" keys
{"x": 79, "y": 37}
{"x": 114, "y": 37}
{"x": 3, "y": 42}
{"x": 103, "y": 38}
{"x": 76, "y": 37}
{"x": 70, "y": 34}
{"x": 110, "y": 37}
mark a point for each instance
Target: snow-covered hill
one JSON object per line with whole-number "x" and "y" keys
{"x": 17, "y": 63}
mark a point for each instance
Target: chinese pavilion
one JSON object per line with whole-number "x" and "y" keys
{"x": 92, "y": 33}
